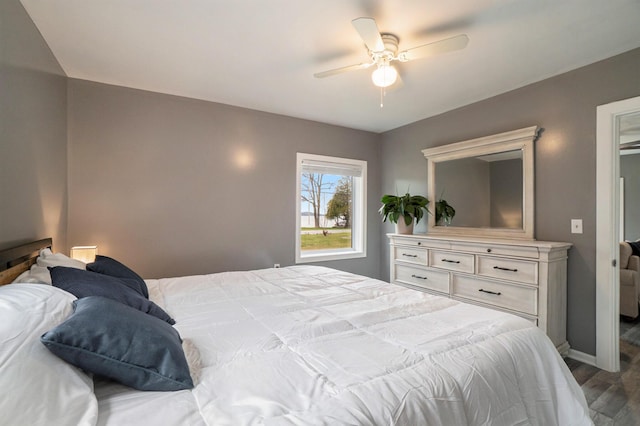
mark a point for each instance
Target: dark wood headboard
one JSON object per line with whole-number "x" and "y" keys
{"x": 16, "y": 260}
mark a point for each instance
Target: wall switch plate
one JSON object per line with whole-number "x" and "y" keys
{"x": 576, "y": 226}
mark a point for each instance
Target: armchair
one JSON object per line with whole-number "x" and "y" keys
{"x": 629, "y": 281}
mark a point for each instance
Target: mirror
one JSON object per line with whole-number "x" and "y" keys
{"x": 486, "y": 190}
{"x": 488, "y": 181}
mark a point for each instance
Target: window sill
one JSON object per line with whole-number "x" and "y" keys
{"x": 327, "y": 255}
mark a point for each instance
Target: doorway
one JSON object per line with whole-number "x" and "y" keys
{"x": 609, "y": 119}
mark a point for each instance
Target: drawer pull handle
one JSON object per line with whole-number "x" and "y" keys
{"x": 490, "y": 292}
{"x": 505, "y": 269}
{"x": 418, "y": 276}
{"x": 450, "y": 261}
{"x": 488, "y": 250}
{"x": 409, "y": 255}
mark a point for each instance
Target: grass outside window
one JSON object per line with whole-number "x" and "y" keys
{"x": 335, "y": 238}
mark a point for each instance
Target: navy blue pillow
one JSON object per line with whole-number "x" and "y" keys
{"x": 635, "y": 247}
{"x": 113, "y": 340}
{"x": 83, "y": 283}
{"x": 109, "y": 266}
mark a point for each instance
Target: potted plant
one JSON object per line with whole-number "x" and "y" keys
{"x": 444, "y": 212}
{"x": 405, "y": 207}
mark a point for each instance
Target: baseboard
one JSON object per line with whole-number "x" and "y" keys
{"x": 563, "y": 349}
{"x": 582, "y": 357}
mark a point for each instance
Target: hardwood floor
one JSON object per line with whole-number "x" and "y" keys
{"x": 614, "y": 398}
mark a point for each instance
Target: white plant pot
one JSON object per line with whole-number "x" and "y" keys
{"x": 402, "y": 228}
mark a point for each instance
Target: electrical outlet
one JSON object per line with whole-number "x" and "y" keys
{"x": 276, "y": 265}
{"x": 576, "y": 226}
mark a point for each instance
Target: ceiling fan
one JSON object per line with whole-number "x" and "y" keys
{"x": 383, "y": 50}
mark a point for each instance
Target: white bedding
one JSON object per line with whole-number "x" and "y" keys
{"x": 308, "y": 345}
{"x": 37, "y": 388}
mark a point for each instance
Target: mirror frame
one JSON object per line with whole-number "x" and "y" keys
{"x": 522, "y": 139}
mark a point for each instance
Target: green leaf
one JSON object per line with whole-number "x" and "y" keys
{"x": 444, "y": 211}
{"x": 407, "y": 206}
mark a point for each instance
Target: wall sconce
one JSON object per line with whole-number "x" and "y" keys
{"x": 86, "y": 254}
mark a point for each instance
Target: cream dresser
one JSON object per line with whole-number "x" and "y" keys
{"x": 526, "y": 278}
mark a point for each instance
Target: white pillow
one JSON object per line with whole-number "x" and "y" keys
{"x": 35, "y": 275}
{"x": 49, "y": 259}
{"x": 36, "y": 387}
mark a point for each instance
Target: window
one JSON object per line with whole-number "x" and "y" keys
{"x": 330, "y": 208}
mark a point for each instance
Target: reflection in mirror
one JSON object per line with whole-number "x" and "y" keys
{"x": 489, "y": 181}
{"x": 485, "y": 190}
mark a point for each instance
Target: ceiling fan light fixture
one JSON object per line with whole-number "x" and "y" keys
{"x": 384, "y": 76}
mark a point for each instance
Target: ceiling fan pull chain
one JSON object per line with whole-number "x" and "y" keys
{"x": 383, "y": 93}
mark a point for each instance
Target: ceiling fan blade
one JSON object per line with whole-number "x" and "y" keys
{"x": 340, "y": 70}
{"x": 368, "y": 30}
{"x": 435, "y": 48}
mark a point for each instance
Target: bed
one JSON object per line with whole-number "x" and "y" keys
{"x": 302, "y": 345}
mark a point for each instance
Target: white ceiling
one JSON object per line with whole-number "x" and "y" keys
{"x": 262, "y": 54}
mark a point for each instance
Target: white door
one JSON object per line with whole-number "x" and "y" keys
{"x": 609, "y": 117}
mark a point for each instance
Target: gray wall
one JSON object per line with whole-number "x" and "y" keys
{"x": 33, "y": 133}
{"x": 176, "y": 186}
{"x": 630, "y": 171}
{"x": 565, "y": 161}
{"x": 465, "y": 184}
{"x": 506, "y": 194}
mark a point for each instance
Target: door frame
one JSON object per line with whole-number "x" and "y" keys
{"x": 607, "y": 231}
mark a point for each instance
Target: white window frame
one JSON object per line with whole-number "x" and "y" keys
{"x": 359, "y": 216}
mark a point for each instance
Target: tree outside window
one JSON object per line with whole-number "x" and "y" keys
{"x": 330, "y": 208}
{"x": 339, "y": 207}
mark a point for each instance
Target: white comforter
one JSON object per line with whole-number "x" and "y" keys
{"x": 308, "y": 345}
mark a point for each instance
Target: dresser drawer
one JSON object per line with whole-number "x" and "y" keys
{"x": 460, "y": 262}
{"x": 508, "y": 269}
{"x": 415, "y": 242}
{"x": 498, "y": 249}
{"x": 410, "y": 254}
{"x": 509, "y": 296}
{"x": 436, "y": 244}
{"x": 420, "y": 277}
